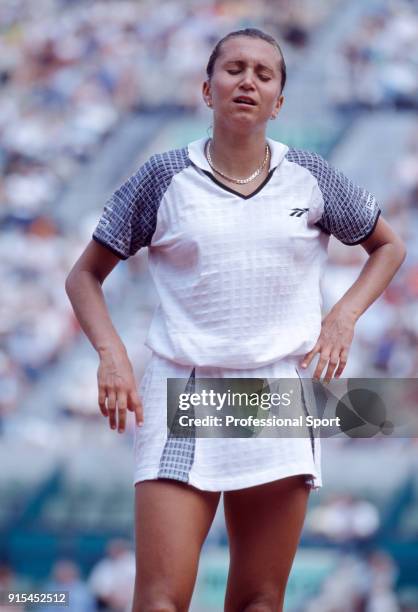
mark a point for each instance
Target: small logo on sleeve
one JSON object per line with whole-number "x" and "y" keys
{"x": 370, "y": 202}
{"x": 298, "y": 212}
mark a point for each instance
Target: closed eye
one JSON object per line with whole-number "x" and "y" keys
{"x": 262, "y": 77}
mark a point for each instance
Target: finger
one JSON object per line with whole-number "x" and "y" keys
{"x": 121, "y": 411}
{"x": 135, "y": 405}
{"x": 111, "y": 407}
{"x": 309, "y": 356}
{"x": 342, "y": 364}
{"x": 332, "y": 364}
{"x": 323, "y": 360}
{"x": 102, "y": 400}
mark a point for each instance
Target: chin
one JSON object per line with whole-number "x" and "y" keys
{"x": 241, "y": 122}
{"x": 245, "y": 124}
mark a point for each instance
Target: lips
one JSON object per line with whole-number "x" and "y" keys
{"x": 245, "y": 100}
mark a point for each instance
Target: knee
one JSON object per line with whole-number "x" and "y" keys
{"x": 261, "y": 607}
{"x": 158, "y": 605}
{"x": 267, "y": 603}
{"x": 163, "y": 607}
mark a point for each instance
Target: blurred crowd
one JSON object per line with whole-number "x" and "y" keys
{"x": 377, "y": 65}
{"x": 363, "y": 584}
{"x": 36, "y": 322}
{"x": 344, "y": 519}
{"x": 109, "y": 584}
{"x": 386, "y": 338}
{"x": 69, "y": 71}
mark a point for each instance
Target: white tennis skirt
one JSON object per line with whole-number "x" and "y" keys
{"x": 217, "y": 463}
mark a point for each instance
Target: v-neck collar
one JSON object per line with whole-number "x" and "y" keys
{"x": 238, "y": 193}
{"x": 197, "y": 155}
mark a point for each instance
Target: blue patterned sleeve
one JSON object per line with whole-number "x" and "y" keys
{"x": 347, "y": 211}
{"x": 350, "y": 212}
{"x": 130, "y": 215}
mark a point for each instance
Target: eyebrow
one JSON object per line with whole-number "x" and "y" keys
{"x": 242, "y": 63}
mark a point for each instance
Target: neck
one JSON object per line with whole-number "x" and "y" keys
{"x": 236, "y": 154}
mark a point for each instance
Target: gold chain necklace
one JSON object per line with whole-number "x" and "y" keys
{"x": 235, "y": 180}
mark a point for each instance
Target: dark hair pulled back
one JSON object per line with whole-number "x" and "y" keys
{"x": 252, "y": 33}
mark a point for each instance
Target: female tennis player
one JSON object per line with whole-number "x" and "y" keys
{"x": 237, "y": 228}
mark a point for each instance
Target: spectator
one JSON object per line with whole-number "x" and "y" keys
{"x": 112, "y": 579}
{"x": 66, "y": 577}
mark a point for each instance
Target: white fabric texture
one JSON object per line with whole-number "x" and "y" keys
{"x": 238, "y": 277}
{"x": 217, "y": 464}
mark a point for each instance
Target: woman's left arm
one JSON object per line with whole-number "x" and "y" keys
{"x": 386, "y": 253}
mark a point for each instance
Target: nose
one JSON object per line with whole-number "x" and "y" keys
{"x": 247, "y": 81}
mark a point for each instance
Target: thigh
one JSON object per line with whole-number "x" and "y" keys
{"x": 264, "y": 524}
{"x": 172, "y": 520}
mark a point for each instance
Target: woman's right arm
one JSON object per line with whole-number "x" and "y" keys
{"x": 116, "y": 380}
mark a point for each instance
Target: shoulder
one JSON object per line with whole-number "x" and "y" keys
{"x": 167, "y": 163}
{"x": 157, "y": 172}
{"x": 332, "y": 182}
{"x": 310, "y": 160}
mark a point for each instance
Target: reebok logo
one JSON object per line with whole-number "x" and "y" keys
{"x": 298, "y": 212}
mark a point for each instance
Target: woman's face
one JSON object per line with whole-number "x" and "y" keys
{"x": 244, "y": 90}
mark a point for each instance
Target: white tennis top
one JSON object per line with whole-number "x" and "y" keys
{"x": 238, "y": 277}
